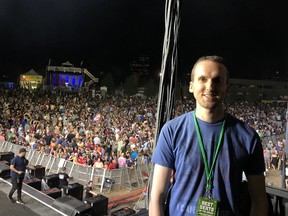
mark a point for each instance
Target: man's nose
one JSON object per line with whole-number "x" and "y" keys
{"x": 210, "y": 84}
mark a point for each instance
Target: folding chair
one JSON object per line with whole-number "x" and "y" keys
{"x": 108, "y": 183}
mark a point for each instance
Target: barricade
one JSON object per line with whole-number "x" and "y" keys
{"x": 117, "y": 176}
{"x": 132, "y": 179}
{"x": 3, "y": 145}
{"x": 32, "y": 156}
{"x": 83, "y": 173}
{"x": 98, "y": 177}
{"x": 14, "y": 148}
{"x": 122, "y": 178}
{"x": 143, "y": 173}
{"x": 45, "y": 161}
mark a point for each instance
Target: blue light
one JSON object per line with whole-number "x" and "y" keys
{"x": 73, "y": 81}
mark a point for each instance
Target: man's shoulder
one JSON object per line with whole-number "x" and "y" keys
{"x": 16, "y": 158}
{"x": 231, "y": 119}
{"x": 179, "y": 120}
{"x": 244, "y": 128}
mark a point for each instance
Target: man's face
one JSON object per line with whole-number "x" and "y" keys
{"x": 22, "y": 154}
{"x": 209, "y": 85}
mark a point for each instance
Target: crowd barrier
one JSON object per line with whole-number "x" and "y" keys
{"x": 122, "y": 178}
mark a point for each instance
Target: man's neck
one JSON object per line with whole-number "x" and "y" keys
{"x": 210, "y": 116}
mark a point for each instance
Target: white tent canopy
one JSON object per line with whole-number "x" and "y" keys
{"x": 30, "y": 80}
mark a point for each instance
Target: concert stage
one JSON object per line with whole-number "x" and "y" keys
{"x": 37, "y": 203}
{"x": 8, "y": 208}
{"x": 69, "y": 76}
{"x": 32, "y": 206}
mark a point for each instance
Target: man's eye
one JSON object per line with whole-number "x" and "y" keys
{"x": 202, "y": 79}
{"x": 218, "y": 80}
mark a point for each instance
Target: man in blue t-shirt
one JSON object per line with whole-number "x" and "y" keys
{"x": 17, "y": 166}
{"x": 207, "y": 151}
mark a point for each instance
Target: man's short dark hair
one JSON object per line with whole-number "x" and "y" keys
{"x": 214, "y": 58}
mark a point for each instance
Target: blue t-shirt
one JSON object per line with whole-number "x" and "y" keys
{"x": 178, "y": 149}
{"x": 20, "y": 165}
{"x": 133, "y": 155}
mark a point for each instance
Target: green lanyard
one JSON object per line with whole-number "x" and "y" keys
{"x": 209, "y": 172}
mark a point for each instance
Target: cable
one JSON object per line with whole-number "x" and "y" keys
{"x": 169, "y": 67}
{"x": 169, "y": 70}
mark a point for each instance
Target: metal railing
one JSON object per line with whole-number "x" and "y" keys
{"x": 122, "y": 178}
{"x": 278, "y": 201}
{"x": 93, "y": 79}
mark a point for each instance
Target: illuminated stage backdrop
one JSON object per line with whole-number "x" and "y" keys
{"x": 62, "y": 79}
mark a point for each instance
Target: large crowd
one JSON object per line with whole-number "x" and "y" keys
{"x": 112, "y": 132}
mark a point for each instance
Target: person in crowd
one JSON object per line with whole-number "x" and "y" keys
{"x": 280, "y": 158}
{"x": 274, "y": 158}
{"x": 112, "y": 165}
{"x": 267, "y": 158}
{"x": 98, "y": 163}
{"x": 122, "y": 160}
{"x": 130, "y": 164}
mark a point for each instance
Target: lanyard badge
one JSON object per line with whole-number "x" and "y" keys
{"x": 206, "y": 205}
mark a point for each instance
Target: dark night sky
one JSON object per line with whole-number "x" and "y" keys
{"x": 108, "y": 34}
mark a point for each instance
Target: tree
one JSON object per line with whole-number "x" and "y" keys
{"x": 151, "y": 88}
{"x": 108, "y": 81}
{"x": 131, "y": 85}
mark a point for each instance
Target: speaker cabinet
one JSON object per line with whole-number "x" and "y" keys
{"x": 99, "y": 204}
{"x": 52, "y": 180}
{"x": 34, "y": 182}
{"x": 74, "y": 190}
{"x": 37, "y": 171}
{"x": 53, "y": 192}
{"x": 6, "y": 156}
{"x": 72, "y": 206}
{"x": 4, "y": 170}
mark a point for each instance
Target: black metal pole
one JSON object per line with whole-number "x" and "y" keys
{"x": 285, "y": 151}
{"x": 169, "y": 70}
{"x": 169, "y": 66}
{"x": 283, "y": 170}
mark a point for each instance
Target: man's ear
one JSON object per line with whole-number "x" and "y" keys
{"x": 191, "y": 87}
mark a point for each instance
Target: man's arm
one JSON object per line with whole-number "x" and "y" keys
{"x": 93, "y": 193}
{"x": 160, "y": 184}
{"x": 256, "y": 184}
{"x": 68, "y": 177}
{"x": 14, "y": 170}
